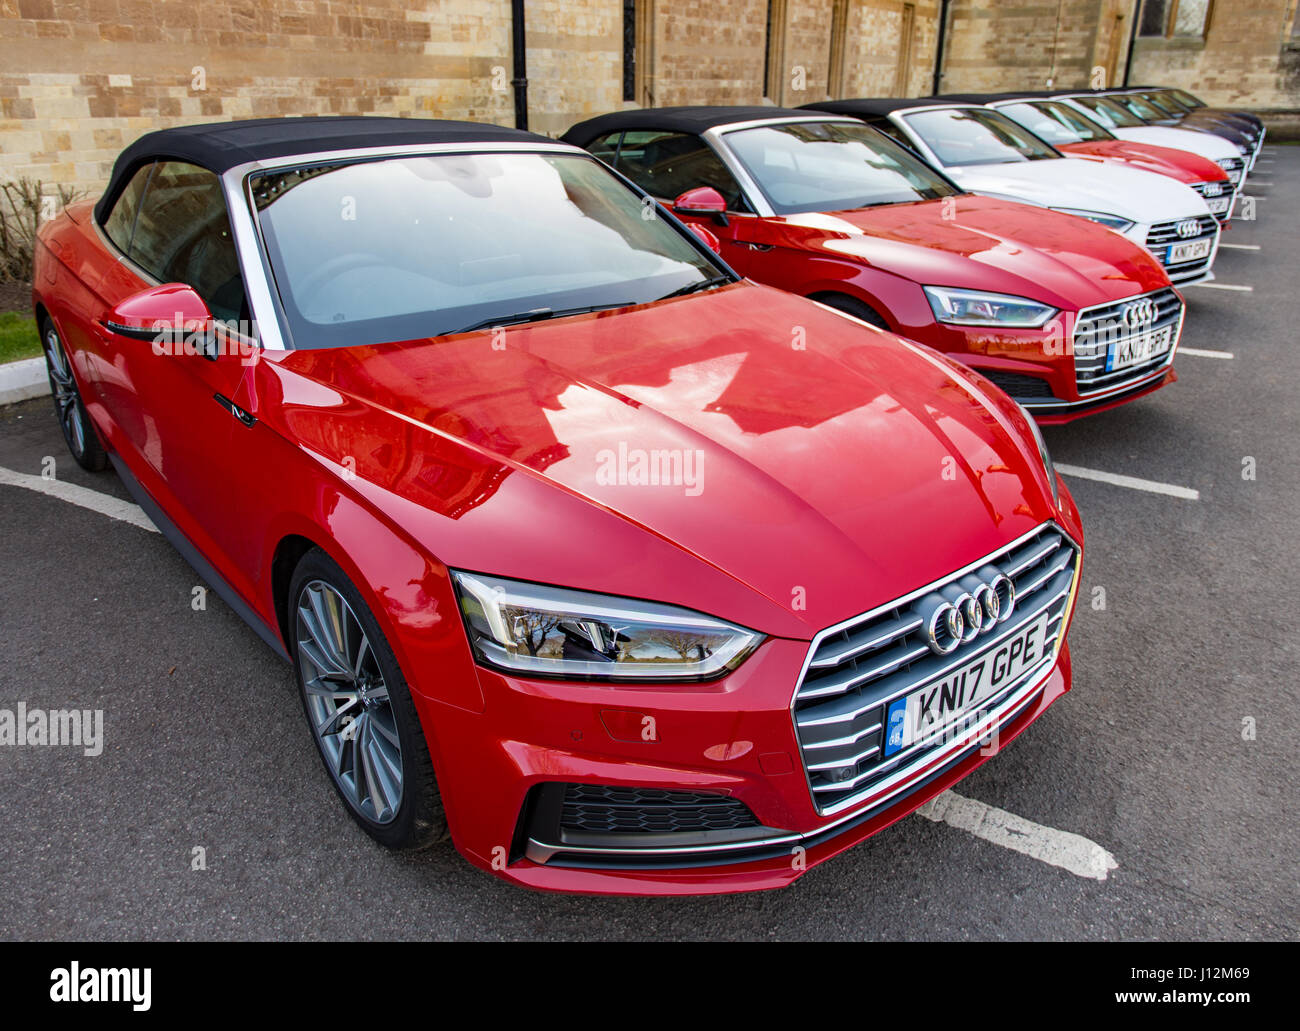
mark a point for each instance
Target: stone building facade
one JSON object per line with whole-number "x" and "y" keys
{"x": 79, "y": 79}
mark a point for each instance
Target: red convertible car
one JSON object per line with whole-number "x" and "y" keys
{"x": 1066, "y": 316}
{"x": 629, "y": 575}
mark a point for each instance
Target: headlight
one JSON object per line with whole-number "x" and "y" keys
{"x": 977, "y": 308}
{"x": 551, "y": 631}
{"x": 1101, "y": 218}
{"x": 1043, "y": 453}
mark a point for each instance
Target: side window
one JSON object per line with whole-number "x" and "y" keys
{"x": 120, "y": 223}
{"x": 182, "y": 235}
{"x": 666, "y": 164}
{"x": 606, "y": 147}
{"x": 893, "y": 132}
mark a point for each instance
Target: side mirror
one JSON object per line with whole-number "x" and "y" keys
{"x": 702, "y": 201}
{"x": 706, "y": 237}
{"x": 172, "y": 312}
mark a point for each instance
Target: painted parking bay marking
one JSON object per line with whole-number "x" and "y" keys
{"x": 84, "y": 497}
{"x": 1200, "y": 352}
{"x": 1133, "y": 482}
{"x": 1081, "y": 856}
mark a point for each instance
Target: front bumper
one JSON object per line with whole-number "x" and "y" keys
{"x": 1037, "y": 367}
{"x": 733, "y": 738}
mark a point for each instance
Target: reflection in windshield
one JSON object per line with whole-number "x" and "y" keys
{"x": 832, "y": 166}
{"x": 412, "y": 247}
{"x": 1055, "y": 123}
{"x": 971, "y": 136}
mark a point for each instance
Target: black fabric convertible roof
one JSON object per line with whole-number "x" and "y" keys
{"x": 671, "y": 119}
{"x": 220, "y": 146}
{"x": 877, "y": 107}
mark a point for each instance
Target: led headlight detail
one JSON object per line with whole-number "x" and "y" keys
{"x": 979, "y": 308}
{"x": 1101, "y": 218}
{"x": 539, "y": 630}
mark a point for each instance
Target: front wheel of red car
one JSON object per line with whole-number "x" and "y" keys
{"x": 360, "y": 709}
{"x": 78, "y": 431}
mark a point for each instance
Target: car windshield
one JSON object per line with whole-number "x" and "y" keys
{"x": 832, "y": 166}
{"x": 1141, "y": 108}
{"x": 1163, "y": 102}
{"x": 1185, "y": 98}
{"x": 410, "y": 247}
{"x": 1055, "y": 123}
{"x": 976, "y": 136}
{"x": 1109, "y": 113}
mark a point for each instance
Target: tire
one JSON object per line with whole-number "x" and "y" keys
{"x": 852, "y": 306}
{"x": 365, "y": 727}
{"x": 79, "y": 431}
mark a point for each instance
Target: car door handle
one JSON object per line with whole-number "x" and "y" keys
{"x": 247, "y": 418}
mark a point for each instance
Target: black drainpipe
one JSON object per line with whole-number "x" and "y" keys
{"x": 1132, "y": 38}
{"x": 520, "y": 81}
{"x": 938, "y": 47}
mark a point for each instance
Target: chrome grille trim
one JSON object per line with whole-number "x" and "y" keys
{"x": 838, "y": 711}
{"x": 1224, "y": 190}
{"x": 1096, "y": 327}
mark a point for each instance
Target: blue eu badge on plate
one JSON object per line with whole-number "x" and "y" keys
{"x": 897, "y": 716}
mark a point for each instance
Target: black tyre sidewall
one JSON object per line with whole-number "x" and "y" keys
{"x": 93, "y": 456}
{"x": 420, "y": 821}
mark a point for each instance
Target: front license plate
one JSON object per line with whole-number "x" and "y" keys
{"x": 1234, "y": 177}
{"x": 1218, "y": 205}
{"x": 1189, "y": 251}
{"x": 960, "y": 695}
{"x": 1138, "y": 348}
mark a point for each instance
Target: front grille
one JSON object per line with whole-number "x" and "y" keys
{"x": 606, "y": 809}
{"x": 1234, "y": 167}
{"x": 1019, "y": 386}
{"x": 1096, "y": 329}
{"x": 1215, "y": 193}
{"x": 855, "y": 671}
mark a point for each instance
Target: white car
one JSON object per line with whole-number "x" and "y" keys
{"x": 986, "y": 152}
{"x": 1128, "y": 126}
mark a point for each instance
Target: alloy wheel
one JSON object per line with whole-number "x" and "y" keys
{"x": 67, "y": 402}
{"x": 348, "y": 703}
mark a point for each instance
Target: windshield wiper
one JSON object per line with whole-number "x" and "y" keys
{"x": 534, "y": 315}
{"x": 703, "y": 284}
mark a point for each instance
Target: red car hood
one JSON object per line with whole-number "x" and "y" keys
{"x": 1182, "y": 165}
{"x": 823, "y": 466}
{"x": 986, "y": 243}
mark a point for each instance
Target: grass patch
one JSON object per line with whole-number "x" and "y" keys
{"x": 18, "y": 337}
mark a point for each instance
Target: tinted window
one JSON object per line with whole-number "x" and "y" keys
{"x": 120, "y": 223}
{"x": 974, "y": 136}
{"x": 413, "y": 247}
{"x": 1109, "y": 113}
{"x": 182, "y": 235}
{"x": 1055, "y": 123}
{"x": 832, "y": 166}
{"x": 667, "y": 164}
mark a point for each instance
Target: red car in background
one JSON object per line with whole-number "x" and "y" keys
{"x": 628, "y": 574}
{"x": 1065, "y": 315}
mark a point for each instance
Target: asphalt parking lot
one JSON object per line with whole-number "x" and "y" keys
{"x": 1175, "y": 752}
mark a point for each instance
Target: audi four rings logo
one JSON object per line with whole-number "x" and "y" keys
{"x": 1139, "y": 313}
{"x": 1188, "y": 227}
{"x": 964, "y": 610}
{"x": 1213, "y": 189}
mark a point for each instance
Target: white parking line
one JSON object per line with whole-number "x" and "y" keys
{"x": 1116, "y": 480}
{"x": 1073, "y": 852}
{"x": 1239, "y": 246}
{"x": 105, "y": 504}
{"x": 1197, "y": 352}
{"x": 1224, "y": 286}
